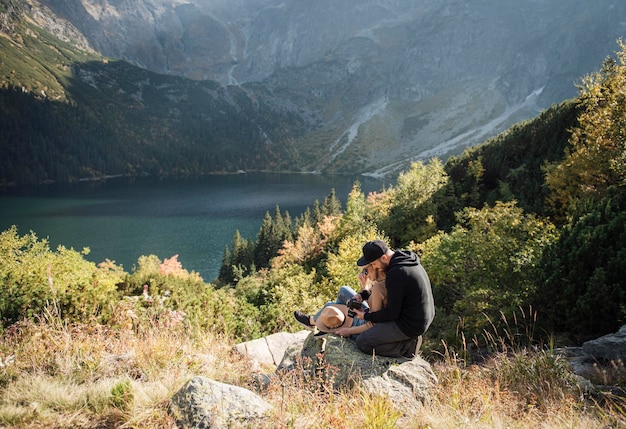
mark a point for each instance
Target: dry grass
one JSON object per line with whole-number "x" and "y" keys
{"x": 55, "y": 375}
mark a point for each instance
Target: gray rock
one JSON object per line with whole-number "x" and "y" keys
{"x": 338, "y": 361}
{"x": 271, "y": 349}
{"x": 404, "y": 383}
{"x": 204, "y": 403}
{"x": 596, "y": 357}
{"x": 610, "y": 347}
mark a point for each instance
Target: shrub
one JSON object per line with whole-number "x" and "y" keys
{"x": 485, "y": 265}
{"x": 581, "y": 276}
{"x": 34, "y": 278}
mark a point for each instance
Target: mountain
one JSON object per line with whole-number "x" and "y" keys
{"x": 359, "y": 86}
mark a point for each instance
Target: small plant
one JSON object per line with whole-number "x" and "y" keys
{"x": 541, "y": 377}
{"x": 505, "y": 336}
{"x": 379, "y": 412}
{"x": 122, "y": 395}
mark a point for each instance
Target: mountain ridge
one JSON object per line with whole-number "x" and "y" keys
{"x": 366, "y": 87}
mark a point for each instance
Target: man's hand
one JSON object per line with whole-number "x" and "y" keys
{"x": 359, "y": 313}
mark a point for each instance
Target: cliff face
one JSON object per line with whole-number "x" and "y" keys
{"x": 389, "y": 81}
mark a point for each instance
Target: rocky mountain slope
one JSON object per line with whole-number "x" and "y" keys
{"x": 380, "y": 82}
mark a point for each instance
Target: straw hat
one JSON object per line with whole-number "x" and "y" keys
{"x": 333, "y": 317}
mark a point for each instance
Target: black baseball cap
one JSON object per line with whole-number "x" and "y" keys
{"x": 372, "y": 250}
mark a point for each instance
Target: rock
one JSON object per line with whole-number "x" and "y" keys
{"x": 597, "y": 357}
{"x": 610, "y": 347}
{"x": 205, "y": 403}
{"x": 338, "y": 361}
{"x": 404, "y": 383}
{"x": 271, "y": 349}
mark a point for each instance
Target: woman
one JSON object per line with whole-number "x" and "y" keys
{"x": 335, "y": 317}
{"x": 376, "y": 301}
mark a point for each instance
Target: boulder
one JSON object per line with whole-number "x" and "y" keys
{"x": 204, "y": 403}
{"x": 596, "y": 358}
{"x": 610, "y": 347}
{"x": 269, "y": 351}
{"x": 403, "y": 383}
{"x": 338, "y": 361}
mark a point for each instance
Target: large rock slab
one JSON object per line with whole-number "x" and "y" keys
{"x": 338, "y": 361}
{"x": 270, "y": 350}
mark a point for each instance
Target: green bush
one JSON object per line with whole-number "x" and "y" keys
{"x": 35, "y": 278}
{"x": 164, "y": 294}
{"x": 581, "y": 276}
{"x": 485, "y": 266}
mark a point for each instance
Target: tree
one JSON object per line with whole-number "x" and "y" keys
{"x": 271, "y": 237}
{"x": 239, "y": 262}
{"x": 411, "y": 207}
{"x": 225, "y": 275}
{"x": 331, "y": 205}
{"x": 355, "y": 218}
{"x": 596, "y": 158}
{"x": 305, "y": 219}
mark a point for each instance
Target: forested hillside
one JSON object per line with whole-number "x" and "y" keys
{"x": 387, "y": 84}
{"x": 200, "y": 132}
{"x": 67, "y": 114}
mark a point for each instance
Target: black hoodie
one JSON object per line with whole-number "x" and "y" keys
{"x": 409, "y": 295}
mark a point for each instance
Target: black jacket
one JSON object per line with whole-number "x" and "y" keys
{"x": 409, "y": 295}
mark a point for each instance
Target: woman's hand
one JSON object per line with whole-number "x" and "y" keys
{"x": 343, "y": 332}
{"x": 362, "y": 276}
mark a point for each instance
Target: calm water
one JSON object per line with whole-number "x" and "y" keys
{"x": 123, "y": 219}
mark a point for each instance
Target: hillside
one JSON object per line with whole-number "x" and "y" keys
{"x": 390, "y": 82}
{"x": 70, "y": 114}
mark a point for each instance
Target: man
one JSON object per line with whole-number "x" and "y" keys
{"x": 410, "y": 309}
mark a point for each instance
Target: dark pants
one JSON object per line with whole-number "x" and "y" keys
{"x": 386, "y": 339}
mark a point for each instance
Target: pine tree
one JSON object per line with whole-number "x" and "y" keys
{"x": 305, "y": 219}
{"x": 265, "y": 242}
{"x": 288, "y": 226}
{"x": 243, "y": 251}
{"x": 239, "y": 261}
{"x": 317, "y": 212}
{"x": 226, "y": 272}
{"x": 331, "y": 205}
{"x": 271, "y": 236}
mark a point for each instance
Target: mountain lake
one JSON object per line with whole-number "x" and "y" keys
{"x": 195, "y": 218}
